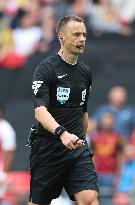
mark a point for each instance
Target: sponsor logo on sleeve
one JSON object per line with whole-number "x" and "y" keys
{"x": 36, "y": 85}
{"x": 83, "y": 97}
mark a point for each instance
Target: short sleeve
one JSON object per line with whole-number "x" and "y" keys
{"x": 40, "y": 86}
{"x": 87, "y": 92}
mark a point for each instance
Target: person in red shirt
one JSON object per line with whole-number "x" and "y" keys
{"x": 108, "y": 151}
{"x": 132, "y": 138}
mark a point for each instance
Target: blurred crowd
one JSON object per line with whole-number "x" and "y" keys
{"x": 14, "y": 185}
{"x": 111, "y": 136}
{"x": 28, "y": 26}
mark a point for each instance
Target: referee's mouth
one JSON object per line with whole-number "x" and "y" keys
{"x": 82, "y": 46}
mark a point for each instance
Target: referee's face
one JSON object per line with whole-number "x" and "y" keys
{"x": 74, "y": 37}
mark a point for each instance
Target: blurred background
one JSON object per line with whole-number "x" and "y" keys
{"x": 27, "y": 36}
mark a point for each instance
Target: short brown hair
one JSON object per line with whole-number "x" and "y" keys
{"x": 62, "y": 22}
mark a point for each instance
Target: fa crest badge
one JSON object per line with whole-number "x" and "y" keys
{"x": 63, "y": 94}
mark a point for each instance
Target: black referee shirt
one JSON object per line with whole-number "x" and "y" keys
{"x": 64, "y": 89}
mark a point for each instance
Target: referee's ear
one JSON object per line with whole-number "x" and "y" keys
{"x": 61, "y": 38}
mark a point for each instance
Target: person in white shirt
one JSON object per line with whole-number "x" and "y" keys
{"x": 126, "y": 9}
{"x": 7, "y": 149}
{"x": 26, "y": 36}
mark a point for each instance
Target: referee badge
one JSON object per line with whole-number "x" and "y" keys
{"x": 63, "y": 94}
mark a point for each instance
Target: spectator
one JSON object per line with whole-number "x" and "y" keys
{"x": 49, "y": 40}
{"x": 7, "y": 149}
{"x": 108, "y": 149}
{"x": 105, "y": 18}
{"x": 124, "y": 113}
{"x": 132, "y": 138}
{"x": 35, "y": 9}
{"x": 16, "y": 20}
{"x": 80, "y": 8}
{"x": 121, "y": 199}
{"x": 126, "y": 185}
{"x": 6, "y": 38}
{"x": 9, "y": 58}
{"x": 9, "y": 7}
{"x": 126, "y": 10}
{"x": 60, "y": 7}
{"x": 27, "y": 36}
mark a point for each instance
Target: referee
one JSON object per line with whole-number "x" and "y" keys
{"x": 60, "y": 156}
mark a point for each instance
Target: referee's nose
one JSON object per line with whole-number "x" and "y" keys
{"x": 82, "y": 38}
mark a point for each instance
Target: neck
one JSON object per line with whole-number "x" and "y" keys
{"x": 68, "y": 57}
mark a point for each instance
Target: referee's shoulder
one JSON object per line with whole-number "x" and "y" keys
{"x": 47, "y": 63}
{"x": 84, "y": 67}
{"x": 51, "y": 59}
